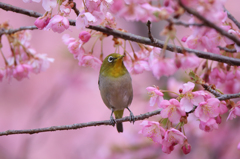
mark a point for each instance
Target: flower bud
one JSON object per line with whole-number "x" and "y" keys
{"x": 84, "y": 36}
{"x": 219, "y": 119}
{"x": 186, "y": 148}
{"x": 41, "y": 22}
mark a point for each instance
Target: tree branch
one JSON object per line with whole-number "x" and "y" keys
{"x": 227, "y": 49}
{"x": 160, "y": 44}
{"x": 9, "y": 7}
{"x": 98, "y": 123}
{"x": 136, "y": 38}
{"x": 210, "y": 24}
{"x": 230, "y": 16}
{"x": 209, "y": 88}
{"x": 229, "y": 96}
{"x": 178, "y": 22}
{"x": 78, "y": 126}
{"x": 12, "y": 31}
{"x": 149, "y": 32}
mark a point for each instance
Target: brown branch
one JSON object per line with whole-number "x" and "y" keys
{"x": 9, "y": 7}
{"x": 210, "y": 24}
{"x": 227, "y": 49}
{"x": 229, "y": 96}
{"x": 98, "y": 123}
{"x": 31, "y": 13}
{"x": 230, "y": 16}
{"x": 178, "y": 22}
{"x": 209, "y": 88}
{"x": 12, "y": 31}
{"x": 139, "y": 39}
{"x": 78, "y": 126}
{"x": 160, "y": 44}
{"x": 149, "y": 32}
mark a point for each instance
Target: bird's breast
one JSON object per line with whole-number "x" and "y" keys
{"x": 117, "y": 92}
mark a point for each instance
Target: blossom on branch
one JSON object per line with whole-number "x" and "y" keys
{"x": 172, "y": 137}
{"x": 156, "y": 96}
{"x": 209, "y": 125}
{"x": 207, "y": 109}
{"x": 58, "y": 23}
{"x": 152, "y": 130}
{"x": 190, "y": 98}
{"x": 172, "y": 110}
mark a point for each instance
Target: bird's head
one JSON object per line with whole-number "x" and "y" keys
{"x": 113, "y": 66}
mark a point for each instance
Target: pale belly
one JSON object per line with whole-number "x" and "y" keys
{"x": 116, "y": 93}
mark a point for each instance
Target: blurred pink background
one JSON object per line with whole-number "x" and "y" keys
{"x": 67, "y": 93}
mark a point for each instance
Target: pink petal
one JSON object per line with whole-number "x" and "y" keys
{"x": 153, "y": 100}
{"x": 186, "y": 104}
{"x": 164, "y": 104}
{"x": 188, "y": 87}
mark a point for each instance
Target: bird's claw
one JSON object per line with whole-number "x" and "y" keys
{"x": 112, "y": 121}
{"x": 132, "y": 118}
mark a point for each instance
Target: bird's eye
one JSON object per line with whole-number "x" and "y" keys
{"x": 110, "y": 59}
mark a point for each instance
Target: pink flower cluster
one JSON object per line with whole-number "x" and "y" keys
{"x": 58, "y": 23}
{"x": 150, "y": 60}
{"x": 94, "y": 13}
{"x": 226, "y": 79}
{"x": 208, "y": 109}
{"x": 167, "y": 138}
{"x": 23, "y": 59}
{"x": 75, "y": 47}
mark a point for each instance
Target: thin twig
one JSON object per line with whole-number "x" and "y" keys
{"x": 149, "y": 32}
{"x": 227, "y": 49}
{"x": 230, "y": 16}
{"x": 27, "y": 12}
{"x": 139, "y": 39}
{"x": 209, "y": 88}
{"x": 210, "y": 24}
{"x": 191, "y": 111}
{"x": 79, "y": 125}
{"x": 178, "y": 22}
{"x": 77, "y": 12}
{"x": 9, "y": 7}
{"x": 12, "y": 31}
{"x": 229, "y": 96}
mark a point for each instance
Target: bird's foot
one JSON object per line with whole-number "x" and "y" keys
{"x": 112, "y": 121}
{"x": 132, "y": 118}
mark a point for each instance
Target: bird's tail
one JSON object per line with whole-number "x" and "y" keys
{"x": 118, "y": 114}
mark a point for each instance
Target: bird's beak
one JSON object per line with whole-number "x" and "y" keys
{"x": 122, "y": 56}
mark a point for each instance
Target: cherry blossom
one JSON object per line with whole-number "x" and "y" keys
{"x": 161, "y": 66}
{"x": 189, "y": 61}
{"x": 42, "y": 22}
{"x": 235, "y": 111}
{"x": 89, "y": 60}
{"x": 172, "y": 137}
{"x": 84, "y": 36}
{"x": 58, "y": 24}
{"x": 190, "y": 98}
{"x": 152, "y": 130}
{"x": 21, "y": 71}
{"x": 172, "y": 110}
{"x": 74, "y": 45}
{"x": 209, "y": 125}
{"x": 207, "y": 109}
{"x": 40, "y": 63}
{"x": 186, "y": 148}
{"x": 156, "y": 96}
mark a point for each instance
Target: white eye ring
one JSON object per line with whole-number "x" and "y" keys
{"x": 110, "y": 59}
